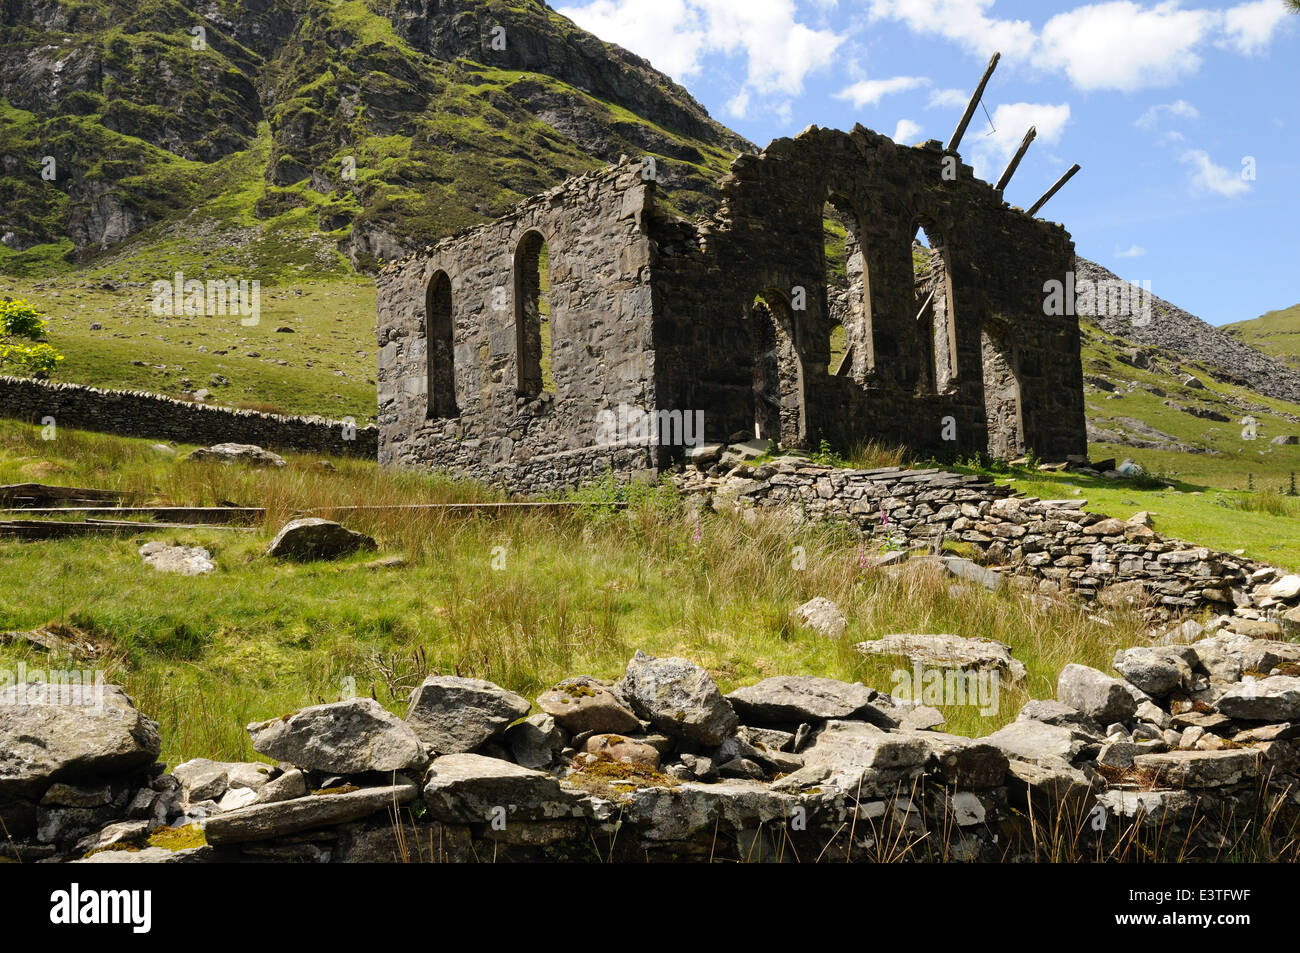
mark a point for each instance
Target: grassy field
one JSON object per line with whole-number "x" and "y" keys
{"x": 521, "y": 600}
{"x": 1276, "y": 333}
{"x": 324, "y": 365}
{"x": 1203, "y": 453}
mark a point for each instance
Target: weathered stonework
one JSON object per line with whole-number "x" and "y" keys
{"x": 733, "y": 316}
{"x": 130, "y": 413}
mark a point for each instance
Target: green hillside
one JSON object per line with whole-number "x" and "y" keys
{"x": 1276, "y": 333}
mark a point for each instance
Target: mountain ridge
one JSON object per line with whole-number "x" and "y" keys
{"x": 388, "y": 125}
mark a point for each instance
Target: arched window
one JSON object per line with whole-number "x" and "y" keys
{"x": 1002, "y": 408}
{"x": 779, "y": 411}
{"x": 936, "y": 330}
{"x": 439, "y": 333}
{"x": 533, "y": 316}
{"x": 848, "y": 292}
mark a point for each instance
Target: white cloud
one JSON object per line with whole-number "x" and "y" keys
{"x": 677, "y": 35}
{"x": 780, "y": 50}
{"x": 1249, "y": 26}
{"x": 1133, "y": 251}
{"x": 1012, "y": 120}
{"x": 1208, "y": 177}
{"x": 963, "y": 21}
{"x": 1180, "y": 108}
{"x": 669, "y": 32}
{"x": 1120, "y": 45}
{"x": 1123, "y": 46}
{"x": 906, "y": 132}
{"x": 948, "y": 98}
{"x": 869, "y": 92}
{"x": 738, "y": 105}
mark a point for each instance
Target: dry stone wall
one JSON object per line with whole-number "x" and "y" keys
{"x": 140, "y": 414}
{"x": 1191, "y": 748}
{"x": 1054, "y": 542}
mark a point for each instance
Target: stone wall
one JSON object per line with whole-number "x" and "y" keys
{"x": 767, "y": 239}
{"x": 1193, "y": 748}
{"x": 139, "y": 414}
{"x": 1053, "y": 542}
{"x": 731, "y": 317}
{"x": 507, "y": 427}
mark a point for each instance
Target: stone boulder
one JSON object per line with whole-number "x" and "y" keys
{"x": 679, "y": 698}
{"x": 792, "y": 699}
{"x": 1273, "y": 699}
{"x": 614, "y": 747}
{"x": 453, "y": 715}
{"x": 245, "y": 453}
{"x": 535, "y": 741}
{"x": 473, "y": 789}
{"x": 348, "y": 737}
{"x": 309, "y": 538}
{"x": 822, "y": 616}
{"x": 1051, "y": 712}
{"x": 949, "y": 651}
{"x": 185, "y": 560}
{"x": 265, "y": 821}
{"x": 583, "y": 704}
{"x": 49, "y": 733}
{"x": 1104, "y": 699}
{"x": 1035, "y": 742}
{"x": 1157, "y": 671}
{"x": 1285, "y": 589}
{"x": 1199, "y": 769}
{"x": 856, "y": 757}
{"x": 204, "y": 780}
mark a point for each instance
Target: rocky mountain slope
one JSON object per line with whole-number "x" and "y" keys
{"x": 1276, "y": 333}
{"x": 378, "y": 124}
{"x": 1174, "y": 330}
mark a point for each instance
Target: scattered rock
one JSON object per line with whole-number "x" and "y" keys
{"x": 185, "y": 560}
{"x": 679, "y": 698}
{"x": 245, "y": 453}
{"x": 347, "y": 737}
{"x": 453, "y": 715}
{"x": 310, "y": 538}
{"x": 822, "y": 616}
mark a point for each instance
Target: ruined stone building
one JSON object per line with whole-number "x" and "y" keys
{"x": 507, "y": 350}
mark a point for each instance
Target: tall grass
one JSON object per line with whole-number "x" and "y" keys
{"x": 522, "y": 599}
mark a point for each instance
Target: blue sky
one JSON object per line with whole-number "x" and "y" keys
{"x": 1183, "y": 115}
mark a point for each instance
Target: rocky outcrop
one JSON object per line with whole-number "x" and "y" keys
{"x": 792, "y": 766}
{"x": 1172, "y": 329}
